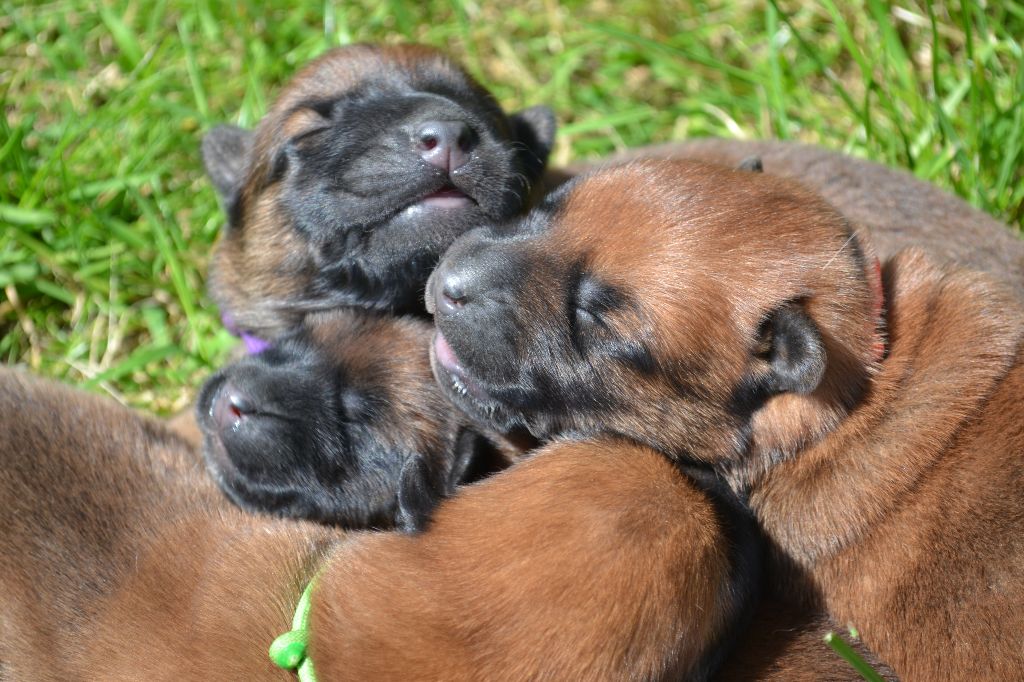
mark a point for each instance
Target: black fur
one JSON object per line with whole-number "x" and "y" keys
{"x": 301, "y": 431}
{"x": 423, "y": 485}
{"x": 796, "y": 355}
{"x": 354, "y": 184}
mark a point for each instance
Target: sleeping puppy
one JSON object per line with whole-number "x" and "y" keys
{"x": 735, "y": 323}
{"x": 121, "y": 561}
{"x": 739, "y": 325}
{"x": 334, "y": 419}
{"x": 114, "y": 534}
{"x": 897, "y": 211}
{"x": 372, "y": 160}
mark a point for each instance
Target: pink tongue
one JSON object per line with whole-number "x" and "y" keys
{"x": 445, "y": 354}
{"x": 446, "y": 198}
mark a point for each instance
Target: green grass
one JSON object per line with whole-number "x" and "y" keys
{"x": 107, "y": 220}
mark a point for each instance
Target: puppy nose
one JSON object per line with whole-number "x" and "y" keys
{"x": 450, "y": 293}
{"x": 445, "y": 144}
{"x": 231, "y": 405}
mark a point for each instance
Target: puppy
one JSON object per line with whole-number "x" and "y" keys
{"x": 121, "y": 561}
{"x": 336, "y": 418}
{"x": 897, "y": 211}
{"x": 735, "y": 322}
{"x": 370, "y": 163}
{"x": 593, "y": 560}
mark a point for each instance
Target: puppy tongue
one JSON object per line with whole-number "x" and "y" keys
{"x": 445, "y": 355}
{"x": 446, "y": 197}
{"x": 447, "y": 359}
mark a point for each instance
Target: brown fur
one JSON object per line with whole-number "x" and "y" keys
{"x": 917, "y": 533}
{"x": 121, "y": 562}
{"x": 120, "y": 559}
{"x": 785, "y": 642}
{"x": 897, "y": 209}
{"x": 588, "y": 561}
{"x": 886, "y": 489}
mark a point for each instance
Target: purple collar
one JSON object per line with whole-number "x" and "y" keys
{"x": 254, "y": 345}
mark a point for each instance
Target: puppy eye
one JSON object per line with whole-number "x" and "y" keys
{"x": 591, "y": 304}
{"x": 585, "y": 316}
{"x": 595, "y": 300}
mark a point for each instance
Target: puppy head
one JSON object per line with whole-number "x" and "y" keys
{"x": 340, "y": 421}
{"x": 369, "y": 164}
{"x": 702, "y": 310}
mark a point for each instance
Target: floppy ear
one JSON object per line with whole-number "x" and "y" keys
{"x": 535, "y": 128}
{"x": 225, "y": 156}
{"x": 419, "y": 491}
{"x": 791, "y": 345}
{"x": 752, "y": 164}
{"x": 421, "y": 488}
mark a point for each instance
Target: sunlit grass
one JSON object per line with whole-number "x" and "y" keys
{"x": 107, "y": 220}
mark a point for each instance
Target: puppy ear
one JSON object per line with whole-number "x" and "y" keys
{"x": 752, "y": 164}
{"x": 421, "y": 487}
{"x": 791, "y": 345}
{"x": 419, "y": 491}
{"x": 225, "y": 156}
{"x": 467, "y": 448}
{"x": 535, "y": 128}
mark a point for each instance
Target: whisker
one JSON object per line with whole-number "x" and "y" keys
{"x": 838, "y": 251}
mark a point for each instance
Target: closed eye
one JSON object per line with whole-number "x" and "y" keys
{"x": 590, "y": 304}
{"x": 588, "y": 319}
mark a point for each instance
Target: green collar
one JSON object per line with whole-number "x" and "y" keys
{"x": 289, "y": 651}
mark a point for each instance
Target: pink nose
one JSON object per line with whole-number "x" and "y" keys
{"x": 445, "y": 144}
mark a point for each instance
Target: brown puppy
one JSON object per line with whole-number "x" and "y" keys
{"x": 370, "y": 162}
{"x": 732, "y": 321}
{"x": 121, "y": 561}
{"x": 898, "y": 211}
